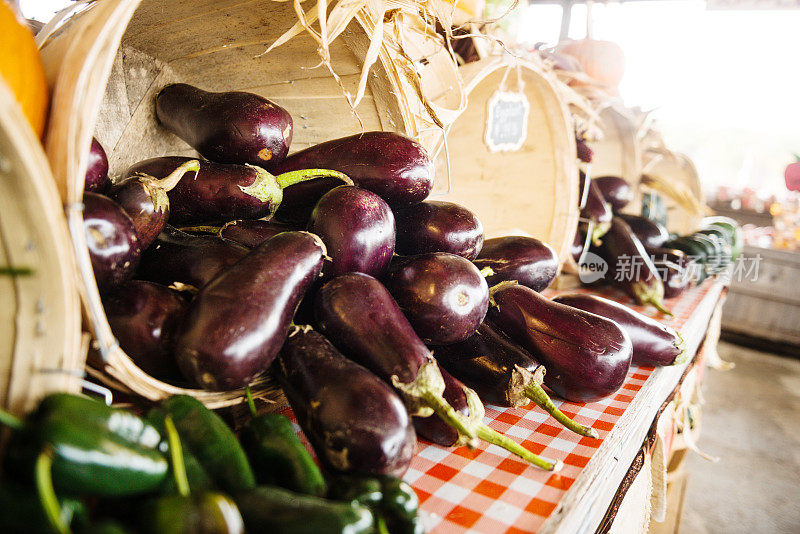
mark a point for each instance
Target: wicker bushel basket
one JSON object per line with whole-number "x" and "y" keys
{"x": 530, "y": 189}
{"x": 108, "y": 62}
{"x": 41, "y": 331}
{"x": 618, "y": 152}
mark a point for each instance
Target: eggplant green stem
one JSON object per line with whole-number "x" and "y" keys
{"x": 202, "y": 228}
{"x": 657, "y": 304}
{"x": 47, "y": 494}
{"x": 449, "y": 415}
{"x": 295, "y": 177}
{"x": 171, "y": 180}
{"x": 250, "y": 402}
{"x": 683, "y": 357}
{"x": 535, "y": 393}
{"x": 176, "y": 458}
{"x": 10, "y": 420}
{"x": 495, "y": 438}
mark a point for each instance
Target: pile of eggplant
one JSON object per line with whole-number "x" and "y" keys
{"x": 382, "y": 315}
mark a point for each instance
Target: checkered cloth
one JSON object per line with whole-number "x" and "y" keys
{"x": 489, "y": 490}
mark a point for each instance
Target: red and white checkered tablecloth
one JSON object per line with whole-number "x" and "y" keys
{"x": 488, "y": 490}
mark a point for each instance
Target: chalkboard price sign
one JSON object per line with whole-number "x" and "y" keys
{"x": 506, "y": 121}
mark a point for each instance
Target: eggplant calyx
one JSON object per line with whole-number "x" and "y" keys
{"x": 683, "y": 357}
{"x": 475, "y": 418}
{"x": 265, "y": 188}
{"x": 495, "y": 438}
{"x": 302, "y": 175}
{"x": 499, "y": 287}
{"x": 521, "y": 380}
{"x": 487, "y": 272}
{"x": 651, "y": 295}
{"x": 543, "y": 400}
{"x": 600, "y": 229}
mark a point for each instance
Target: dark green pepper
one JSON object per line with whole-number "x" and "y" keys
{"x": 96, "y": 450}
{"x": 388, "y": 497}
{"x": 277, "y": 455}
{"x": 22, "y": 512}
{"x": 206, "y": 436}
{"x": 271, "y": 509}
{"x": 104, "y": 527}
{"x": 198, "y": 513}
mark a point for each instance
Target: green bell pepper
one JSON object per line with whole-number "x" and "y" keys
{"x": 388, "y": 497}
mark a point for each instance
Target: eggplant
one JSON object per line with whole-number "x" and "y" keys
{"x": 596, "y": 210}
{"x": 675, "y": 278}
{"x": 584, "y": 152}
{"x": 252, "y": 232}
{"x": 443, "y": 296}
{"x": 615, "y": 191}
{"x": 578, "y": 245}
{"x": 654, "y": 344}
{"x": 228, "y": 127}
{"x": 358, "y": 229}
{"x": 395, "y": 167}
{"x": 671, "y": 255}
{"x": 359, "y": 316}
{"x": 237, "y": 323}
{"x": 436, "y": 226}
{"x": 465, "y": 401}
{"x": 527, "y": 260}
{"x": 145, "y": 199}
{"x": 586, "y": 356}
{"x": 192, "y": 260}
{"x": 112, "y": 240}
{"x": 223, "y": 192}
{"x": 144, "y": 317}
{"x": 632, "y": 269}
{"x": 502, "y": 373}
{"x": 97, "y": 180}
{"x": 650, "y": 233}
{"x": 299, "y": 199}
{"x": 353, "y": 419}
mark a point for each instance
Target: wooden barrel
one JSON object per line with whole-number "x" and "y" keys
{"x": 673, "y": 176}
{"x": 108, "y": 63}
{"x": 531, "y": 190}
{"x": 39, "y": 308}
{"x": 618, "y": 152}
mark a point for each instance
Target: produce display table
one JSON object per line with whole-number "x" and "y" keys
{"x": 489, "y": 490}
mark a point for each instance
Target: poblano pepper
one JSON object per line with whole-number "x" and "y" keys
{"x": 388, "y": 497}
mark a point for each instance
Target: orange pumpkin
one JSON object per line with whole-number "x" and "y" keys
{"x": 21, "y": 68}
{"x": 602, "y": 60}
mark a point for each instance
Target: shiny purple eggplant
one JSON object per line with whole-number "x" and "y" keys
{"x": 578, "y": 244}
{"x": 228, "y": 127}
{"x": 676, "y": 279}
{"x": 586, "y": 356}
{"x": 630, "y": 267}
{"x": 358, "y": 229}
{"x": 501, "y": 373}
{"x": 112, "y": 240}
{"x": 299, "y": 199}
{"x": 192, "y": 260}
{"x": 396, "y": 168}
{"x": 252, "y": 232}
{"x": 97, "y": 180}
{"x": 223, "y": 192}
{"x": 654, "y": 344}
{"x": 443, "y": 296}
{"x": 143, "y": 317}
{"x": 526, "y": 260}
{"x": 650, "y": 233}
{"x": 615, "y": 191}
{"x": 437, "y": 226}
{"x": 465, "y": 401}
{"x": 238, "y": 322}
{"x": 596, "y": 210}
{"x": 145, "y": 199}
{"x": 354, "y": 420}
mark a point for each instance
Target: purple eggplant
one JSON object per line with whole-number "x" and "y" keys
{"x": 223, "y": 192}
{"x": 112, "y": 240}
{"x": 436, "y": 226}
{"x": 358, "y": 229}
{"x": 615, "y": 191}
{"x": 676, "y": 279}
{"x": 237, "y": 323}
{"x": 229, "y": 127}
{"x": 465, "y": 401}
{"x": 650, "y": 233}
{"x": 444, "y": 296}
{"x": 578, "y": 245}
{"x": 252, "y": 232}
{"x": 299, "y": 199}
{"x": 143, "y": 317}
{"x": 526, "y": 260}
{"x": 192, "y": 260}
{"x": 502, "y": 373}
{"x": 353, "y": 419}
{"x": 97, "y": 180}
{"x": 584, "y": 152}
{"x": 630, "y": 266}
{"x": 145, "y": 199}
{"x": 358, "y": 315}
{"x": 395, "y": 167}
{"x": 586, "y": 356}
{"x": 596, "y": 210}
{"x": 654, "y": 344}
{"x": 671, "y": 255}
